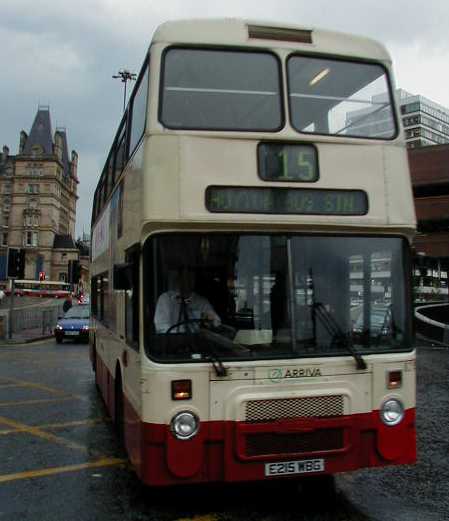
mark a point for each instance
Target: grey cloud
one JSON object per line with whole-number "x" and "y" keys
{"x": 64, "y": 55}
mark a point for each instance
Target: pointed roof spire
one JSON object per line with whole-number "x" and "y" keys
{"x": 62, "y": 143}
{"x": 40, "y": 134}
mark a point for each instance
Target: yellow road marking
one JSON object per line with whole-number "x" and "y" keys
{"x": 105, "y": 462}
{"x": 39, "y": 433}
{"x": 33, "y": 385}
{"x": 207, "y": 517}
{"x": 25, "y": 385}
{"x": 41, "y": 387}
{"x": 34, "y": 402}
{"x": 80, "y": 423}
{"x": 5, "y": 432}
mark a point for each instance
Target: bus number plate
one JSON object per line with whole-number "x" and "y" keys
{"x": 294, "y": 467}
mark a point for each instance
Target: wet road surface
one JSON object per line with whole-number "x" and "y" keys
{"x": 59, "y": 458}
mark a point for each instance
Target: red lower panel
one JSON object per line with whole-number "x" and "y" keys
{"x": 233, "y": 451}
{"x": 238, "y": 451}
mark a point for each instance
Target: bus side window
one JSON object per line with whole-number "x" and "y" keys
{"x": 132, "y": 302}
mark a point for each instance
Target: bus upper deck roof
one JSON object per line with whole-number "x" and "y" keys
{"x": 239, "y": 32}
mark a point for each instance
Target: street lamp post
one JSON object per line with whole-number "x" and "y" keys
{"x": 125, "y": 76}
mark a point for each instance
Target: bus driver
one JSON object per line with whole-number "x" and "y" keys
{"x": 183, "y": 306}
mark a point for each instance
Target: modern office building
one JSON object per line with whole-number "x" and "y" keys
{"x": 38, "y": 194}
{"x": 425, "y": 122}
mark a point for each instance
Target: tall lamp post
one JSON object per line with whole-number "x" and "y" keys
{"x": 125, "y": 76}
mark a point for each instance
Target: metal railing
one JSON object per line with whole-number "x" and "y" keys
{"x": 41, "y": 319}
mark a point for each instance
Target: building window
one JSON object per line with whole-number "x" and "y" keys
{"x": 35, "y": 171}
{"x": 4, "y": 239}
{"x": 63, "y": 277}
{"x": 7, "y": 188}
{"x": 31, "y": 220}
{"x": 33, "y": 203}
{"x": 6, "y": 204}
{"x": 36, "y": 151}
{"x": 30, "y": 238}
{"x": 33, "y": 189}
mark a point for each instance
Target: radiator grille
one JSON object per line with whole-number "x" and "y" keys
{"x": 262, "y": 444}
{"x": 288, "y": 408}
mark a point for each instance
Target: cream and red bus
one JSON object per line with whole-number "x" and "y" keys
{"x": 270, "y": 163}
{"x": 40, "y": 288}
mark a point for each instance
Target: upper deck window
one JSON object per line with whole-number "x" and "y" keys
{"x": 221, "y": 90}
{"x": 337, "y": 97}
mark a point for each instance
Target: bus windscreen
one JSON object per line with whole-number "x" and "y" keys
{"x": 339, "y": 97}
{"x": 221, "y": 90}
{"x": 239, "y": 296}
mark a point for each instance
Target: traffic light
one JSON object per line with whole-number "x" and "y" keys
{"x": 16, "y": 263}
{"x": 74, "y": 271}
{"x": 42, "y": 276}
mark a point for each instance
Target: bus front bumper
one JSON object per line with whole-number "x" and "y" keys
{"x": 238, "y": 451}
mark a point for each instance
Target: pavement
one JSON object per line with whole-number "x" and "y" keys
{"x": 27, "y": 336}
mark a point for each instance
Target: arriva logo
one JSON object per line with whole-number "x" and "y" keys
{"x": 279, "y": 373}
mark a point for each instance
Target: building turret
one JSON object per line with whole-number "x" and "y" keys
{"x": 22, "y": 142}
{"x": 5, "y": 154}
{"x": 74, "y": 166}
{"x": 59, "y": 145}
{"x": 40, "y": 140}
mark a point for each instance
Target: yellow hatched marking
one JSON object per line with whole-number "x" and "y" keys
{"x": 33, "y": 385}
{"x": 105, "y": 462}
{"x": 39, "y": 433}
{"x": 80, "y": 423}
{"x": 5, "y": 432}
{"x": 33, "y": 402}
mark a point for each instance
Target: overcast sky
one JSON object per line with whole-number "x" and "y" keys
{"x": 63, "y": 54}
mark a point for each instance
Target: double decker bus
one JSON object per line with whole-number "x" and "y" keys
{"x": 263, "y": 168}
{"x": 41, "y": 288}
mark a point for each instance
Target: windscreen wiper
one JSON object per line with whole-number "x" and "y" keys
{"x": 338, "y": 336}
{"x": 211, "y": 355}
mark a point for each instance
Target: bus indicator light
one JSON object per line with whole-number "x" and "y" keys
{"x": 181, "y": 389}
{"x": 394, "y": 380}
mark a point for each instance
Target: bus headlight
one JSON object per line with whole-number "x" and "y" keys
{"x": 185, "y": 425}
{"x": 392, "y": 412}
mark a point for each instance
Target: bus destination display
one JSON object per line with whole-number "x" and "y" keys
{"x": 293, "y": 163}
{"x": 303, "y": 201}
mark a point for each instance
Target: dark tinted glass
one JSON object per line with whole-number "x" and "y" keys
{"x": 222, "y": 90}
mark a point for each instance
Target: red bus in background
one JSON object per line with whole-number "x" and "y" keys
{"x": 37, "y": 288}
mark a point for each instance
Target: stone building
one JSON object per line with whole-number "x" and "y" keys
{"x": 38, "y": 194}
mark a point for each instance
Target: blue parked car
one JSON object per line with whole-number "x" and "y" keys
{"x": 74, "y": 324}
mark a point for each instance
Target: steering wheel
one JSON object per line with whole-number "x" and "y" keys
{"x": 201, "y": 321}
